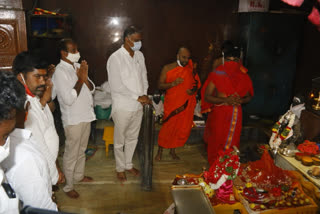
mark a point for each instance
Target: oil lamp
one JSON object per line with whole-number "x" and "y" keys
{"x": 313, "y": 101}
{"x": 317, "y": 105}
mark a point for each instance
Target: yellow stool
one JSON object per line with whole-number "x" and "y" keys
{"x": 108, "y": 137}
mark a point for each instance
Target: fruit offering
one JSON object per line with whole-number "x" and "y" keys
{"x": 307, "y": 161}
{"x": 287, "y": 199}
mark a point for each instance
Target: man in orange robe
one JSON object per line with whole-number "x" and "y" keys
{"x": 181, "y": 85}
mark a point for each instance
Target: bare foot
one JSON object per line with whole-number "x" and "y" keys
{"x": 134, "y": 171}
{"x": 62, "y": 178}
{"x": 121, "y": 176}
{"x": 73, "y": 194}
{"x": 86, "y": 179}
{"x": 158, "y": 156}
{"x": 174, "y": 156}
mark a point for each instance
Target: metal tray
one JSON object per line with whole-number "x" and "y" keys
{"x": 191, "y": 199}
{"x": 311, "y": 175}
{"x": 287, "y": 152}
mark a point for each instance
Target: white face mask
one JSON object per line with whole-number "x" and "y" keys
{"x": 5, "y": 150}
{"x": 136, "y": 45}
{"x": 73, "y": 57}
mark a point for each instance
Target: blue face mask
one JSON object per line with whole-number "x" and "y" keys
{"x": 136, "y": 45}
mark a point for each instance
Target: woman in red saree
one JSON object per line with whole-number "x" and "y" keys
{"x": 224, "y": 91}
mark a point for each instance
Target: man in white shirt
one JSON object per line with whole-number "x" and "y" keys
{"x": 31, "y": 71}
{"x": 12, "y": 98}
{"x": 127, "y": 75}
{"x": 74, "y": 91}
{"x": 27, "y": 169}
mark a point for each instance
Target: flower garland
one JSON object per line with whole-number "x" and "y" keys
{"x": 276, "y": 137}
{"x": 226, "y": 167}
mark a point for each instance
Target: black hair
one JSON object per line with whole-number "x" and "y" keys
{"x": 26, "y": 62}
{"x": 12, "y": 95}
{"x": 129, "y": 31}
{"x": 227, "y": 45}
{"x": 230, "y": 50}
{"x": 183, "y": 47}
{"x": 62, "y": 45}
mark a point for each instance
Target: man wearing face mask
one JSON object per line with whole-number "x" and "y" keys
{"x": 181, "y": 84}
{"x": 129, "y": 86}
{"x": 27, "y": 169}
{"x": 74, "y": 91}
{"x": 12, "y": 98}
{"x": 31, "y": 71}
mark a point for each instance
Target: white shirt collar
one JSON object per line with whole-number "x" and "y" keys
{"x": 35, "y": 97}
{"x": 66, "y": 64}
{"x": 21, "y": 133}
{"x": 126, "y": 52}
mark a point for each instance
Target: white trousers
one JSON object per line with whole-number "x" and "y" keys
{"x": 74, "y": 158}
{"x": 126, "y": 132}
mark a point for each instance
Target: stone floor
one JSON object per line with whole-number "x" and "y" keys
{"x": 107, "y": 196}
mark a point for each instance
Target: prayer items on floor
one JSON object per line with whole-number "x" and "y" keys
{"x": 266, "y": 186}
{"x": 260, "y": 184}
{"x": 217, "y": 181}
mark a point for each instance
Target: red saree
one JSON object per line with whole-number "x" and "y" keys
{"x": 176, "y": 129}
{"x": 224, "y": 123}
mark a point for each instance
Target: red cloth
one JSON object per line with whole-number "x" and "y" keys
{"x": 314, "y": 17}
{"x": 264, "y": 171}
{"x": 224, "y": 192}
{"x": 207, "y": 107}
{"x": 175, "y": 132}
{"x": 295, "y": 3}
{"x": 224, "y": 123}
{"x": 28, "y": 91}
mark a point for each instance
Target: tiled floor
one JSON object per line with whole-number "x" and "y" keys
{"x": 106, "y": 195}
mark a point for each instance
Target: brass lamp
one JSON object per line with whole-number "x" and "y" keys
{"x": 317, "y": 105}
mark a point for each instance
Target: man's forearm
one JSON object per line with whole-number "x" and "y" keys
{"x": 89, "y": 84}
{"x": 215, "y": 100}
{"x": 43, "y": 101}
{"x": 52, "y": 105}
{"x": 78, "y": 86}
{"x": 165, "y": 86}
{"x": 246, "y": 99}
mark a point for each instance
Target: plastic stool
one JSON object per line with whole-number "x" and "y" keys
{"x": 108, "y": 137}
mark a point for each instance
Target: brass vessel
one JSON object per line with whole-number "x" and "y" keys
{"x": 317, "y": 105}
